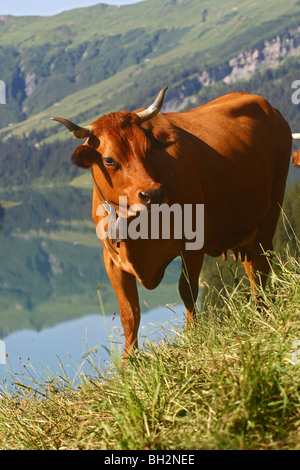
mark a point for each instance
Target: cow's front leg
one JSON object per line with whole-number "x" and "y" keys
{"x": 124, "y": 285}
{"x": 189, "y": 282}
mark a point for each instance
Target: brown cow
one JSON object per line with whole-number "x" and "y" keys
{"x": 296, "y": 158}
{"x": 232, "y": 155}
{"x": 296, "y": 155}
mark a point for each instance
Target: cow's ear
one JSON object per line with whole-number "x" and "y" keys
{"x": 84, "y": 156}
{"x": 163, "y": 137}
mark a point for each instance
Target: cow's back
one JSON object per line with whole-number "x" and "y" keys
{"x": 232, "y": 155}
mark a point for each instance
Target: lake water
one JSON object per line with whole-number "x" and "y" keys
{"x": 63, "y": 348}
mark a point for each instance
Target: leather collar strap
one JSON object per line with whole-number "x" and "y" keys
{"x": 114, "y": 218}
{"x": 101, "y": 194}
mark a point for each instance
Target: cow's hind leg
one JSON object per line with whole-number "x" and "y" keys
{"x": 189, "y": 283}
{"x": 259, "y": 267}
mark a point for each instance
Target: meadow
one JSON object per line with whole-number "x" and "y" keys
{"x": 232, "y": 382}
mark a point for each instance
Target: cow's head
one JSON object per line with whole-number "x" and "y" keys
{"x": 118, "y": 149}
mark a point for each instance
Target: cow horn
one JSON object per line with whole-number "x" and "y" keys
{"x": 155, "y": 107}
{"x": 296, "y": 136}
{"x": 77, "y": 131}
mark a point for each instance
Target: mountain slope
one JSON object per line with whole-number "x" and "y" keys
{"x": 97, "y": 59}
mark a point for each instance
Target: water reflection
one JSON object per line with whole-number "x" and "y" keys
{"x": 51, "y": 261}
{"x": 64, "y": 346}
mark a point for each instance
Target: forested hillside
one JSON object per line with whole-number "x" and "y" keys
{"x": 24, "y": 162}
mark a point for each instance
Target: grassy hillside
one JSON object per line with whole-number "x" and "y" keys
{"x": 151, "y": 14}
{"x": 227, "y": 384}
{"x": 89, "y": 61}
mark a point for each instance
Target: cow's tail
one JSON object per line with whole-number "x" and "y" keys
{"x": 296, "y": 155}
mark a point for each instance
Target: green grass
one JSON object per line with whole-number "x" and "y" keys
{"x": 229, "y": 383}
{"x": 82, "y": 181}
{"x": 91, "y": 22}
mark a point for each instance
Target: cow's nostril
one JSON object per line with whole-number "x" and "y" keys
{"x": 154, "y": 196}
{"x": 145, "y": 197}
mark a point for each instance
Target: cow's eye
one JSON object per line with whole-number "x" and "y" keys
{"x": 108, "y": 161}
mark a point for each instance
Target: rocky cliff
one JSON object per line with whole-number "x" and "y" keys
{"x": 268, "y": 54}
